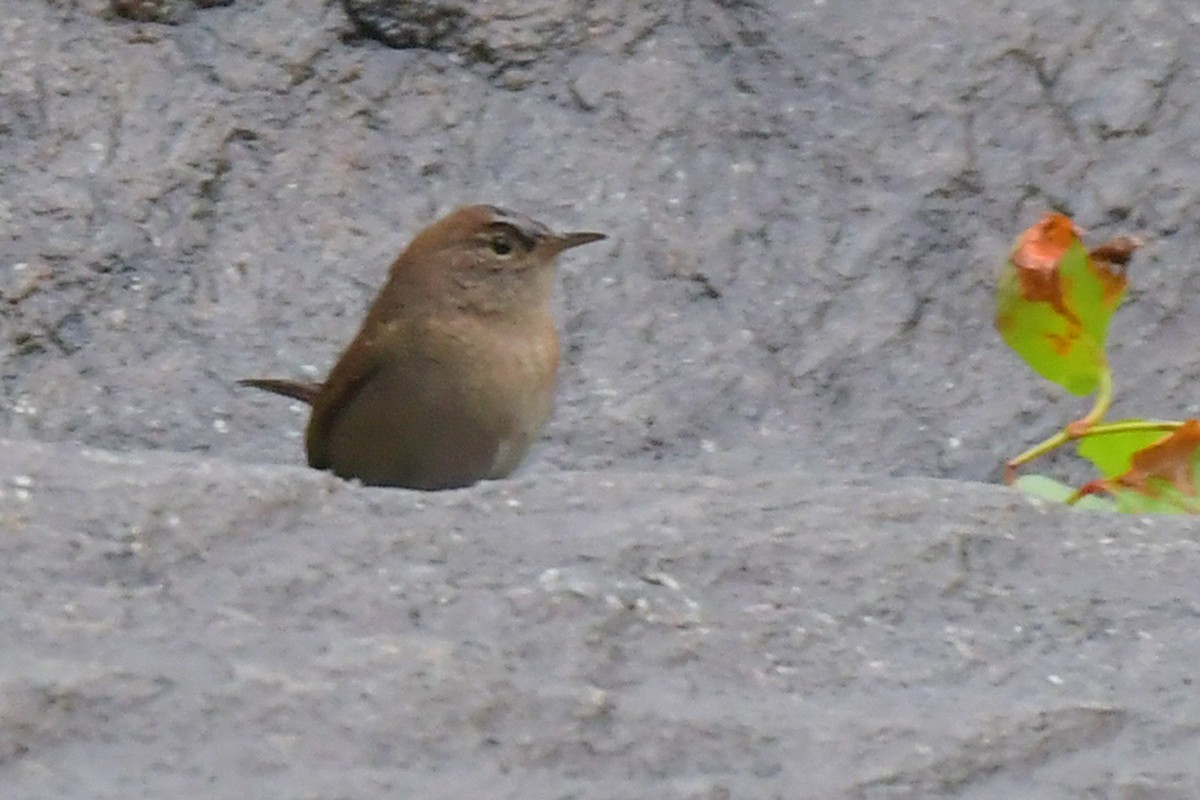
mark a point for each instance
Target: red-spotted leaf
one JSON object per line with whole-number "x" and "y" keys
{"x": 1055, "y": 300}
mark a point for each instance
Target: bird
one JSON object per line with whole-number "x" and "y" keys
{"x": 451, "y": 376}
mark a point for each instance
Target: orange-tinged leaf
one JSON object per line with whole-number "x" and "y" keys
{"x": 1036, "y": 256}
{"x": 1162, "y": 477}
{"x": 1173, "y": 460}
{"x": 1116, "y": 253}
{"x": 1106, "y": 264}
{"x": 1055, "y": 300}
{"x": 1112, "y": 454}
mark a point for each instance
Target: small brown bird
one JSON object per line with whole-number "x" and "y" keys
{"x": 451, "y": 376}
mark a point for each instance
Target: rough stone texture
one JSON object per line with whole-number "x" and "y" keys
{"x": 807, "y": 203}
{"x": 178, "y": 626}
{"x": 807, "y": 207}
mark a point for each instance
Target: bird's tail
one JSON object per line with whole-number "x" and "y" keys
{"x": 297, "y": 390}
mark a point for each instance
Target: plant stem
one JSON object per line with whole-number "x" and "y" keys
{"x": 1104, "y": 398}
{"x": 1039, "y": 449}
{"x": 1075, "y": 429}
{"x": 1164, "y": 425}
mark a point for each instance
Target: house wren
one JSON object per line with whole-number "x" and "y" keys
{"x": 451, "y": 376}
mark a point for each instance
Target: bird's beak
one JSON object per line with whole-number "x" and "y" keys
{"x": 565, "y": 241}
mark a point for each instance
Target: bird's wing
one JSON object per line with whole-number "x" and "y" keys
{"x": 349, "y": 375}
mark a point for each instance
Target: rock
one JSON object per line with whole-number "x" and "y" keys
{"x": 686, "y": 592}
{"x": 178, "y": 624}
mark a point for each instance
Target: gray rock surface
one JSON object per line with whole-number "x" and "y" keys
{"x": 685, "y": 593}
{"x": 184, "y": 627}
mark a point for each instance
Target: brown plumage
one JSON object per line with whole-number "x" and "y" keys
{"x": 451, "y": 377}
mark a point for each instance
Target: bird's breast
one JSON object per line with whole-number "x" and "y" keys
{"x": 504, "y": 374}
{"x": 522, "y": 381}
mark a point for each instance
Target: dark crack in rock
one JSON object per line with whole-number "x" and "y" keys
{"x": 513, "y": 39}
{"x": 169, "y": 12}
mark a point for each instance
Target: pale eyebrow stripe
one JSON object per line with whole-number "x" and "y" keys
{"x": 529, "y": 230}
{"x": 528, "y": 242}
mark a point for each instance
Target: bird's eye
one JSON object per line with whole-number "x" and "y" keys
{"x": 501, "y": 246}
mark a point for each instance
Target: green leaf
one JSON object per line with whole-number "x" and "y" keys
{"x": 1112, "y": 453}
{"x": 1054, "y": 302}
{"x": 1162, "y": 477}
{"x": 1094, "y": 292}
{"x": 1057, "y": 492}
{"x": 1057, "y": 347}
{"x": 1166, "y": 500}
